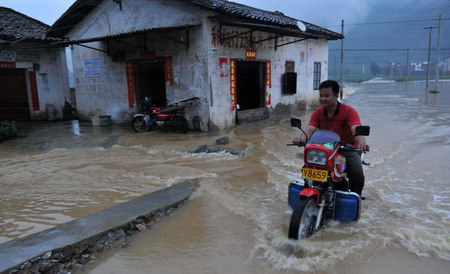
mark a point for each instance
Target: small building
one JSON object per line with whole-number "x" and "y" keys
{"x": 446, "y": 66}
{"x": 34, "y": 83}
{"x": 242, "y": 62}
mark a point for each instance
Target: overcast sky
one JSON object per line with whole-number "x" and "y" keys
{"x": 325, "y": 13}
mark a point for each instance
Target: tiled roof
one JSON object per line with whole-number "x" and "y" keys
{"x": 223, "y": 7}
{"x": 15, "y": 26}
{"x": 227, "y": 7}
{"x": 71, "y": 17}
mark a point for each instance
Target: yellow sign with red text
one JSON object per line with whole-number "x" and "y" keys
{"x": 233, "y": 83}
{"x": 268, "y": 81}
{"x": 250, "y": 54}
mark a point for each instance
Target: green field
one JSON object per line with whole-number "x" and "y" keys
{"x": 359, "y": 79}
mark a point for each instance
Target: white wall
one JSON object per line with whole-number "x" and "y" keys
{"x": 107, "y": 18}
{"x": 107, "y": 93}
{"x": 196, "y": 71}
{"x": 51, "y": 78}
{"x": 313, "y": 51}
{"x": 447, "y": 65}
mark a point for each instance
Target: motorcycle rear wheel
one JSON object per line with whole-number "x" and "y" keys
{"x": 179, "y": 124}
{"x": 303, "y": 218}
{"x": 139, "y": 124}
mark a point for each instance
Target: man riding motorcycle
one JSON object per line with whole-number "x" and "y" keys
{"x": 342, "y": 119}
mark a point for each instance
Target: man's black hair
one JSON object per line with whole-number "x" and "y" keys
{"x": 330, "y": 84}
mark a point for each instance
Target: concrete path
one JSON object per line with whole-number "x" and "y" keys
{"x": 16, "y": 252}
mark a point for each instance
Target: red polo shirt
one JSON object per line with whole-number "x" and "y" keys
{"x": 341, "y": 122}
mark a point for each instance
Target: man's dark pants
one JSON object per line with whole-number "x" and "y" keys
{"x": 354, "y": 170}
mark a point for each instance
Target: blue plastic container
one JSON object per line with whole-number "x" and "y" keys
{"x": 347, "y": 206}
{"x": 295, "y": 187}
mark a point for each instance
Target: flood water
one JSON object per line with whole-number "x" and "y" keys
{"x": 237, "y": 220}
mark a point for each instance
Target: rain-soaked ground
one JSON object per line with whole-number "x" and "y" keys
{"x": 237, "y": 220}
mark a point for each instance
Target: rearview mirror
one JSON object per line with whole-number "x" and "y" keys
{"x": 362, "y": 131}
{"x": 296, "y": 123}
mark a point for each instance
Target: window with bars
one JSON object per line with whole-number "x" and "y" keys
{"x": 317, "y": 70}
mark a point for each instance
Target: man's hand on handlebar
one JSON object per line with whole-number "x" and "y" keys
{"x": 362, "y": 147}
{"x": 300, "y": 139}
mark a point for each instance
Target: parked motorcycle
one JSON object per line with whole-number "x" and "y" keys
{"x": 171, "y": 116}
{"x": 323, "y": 193}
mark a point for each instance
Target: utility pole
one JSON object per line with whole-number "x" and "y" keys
{"x": 334, "y": 68}
{"x": 364, "y": 68}
{"x": 407, "y": 65}
{"x": 438, "y": 53}
{"x": 342, "y": 61}
{"x": 429, "y": 51}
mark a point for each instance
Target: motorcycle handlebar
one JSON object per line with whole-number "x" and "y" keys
{"x": 344, "y": 147}
{"x": 300, "y": 144}
{"x": 348, "y": 148}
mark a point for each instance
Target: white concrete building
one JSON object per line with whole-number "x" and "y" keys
{"x": 33, "y": 74}
{"x": 446, "y": 66}
{"x": 240, "y": 61}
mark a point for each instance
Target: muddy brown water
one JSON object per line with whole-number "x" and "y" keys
{"x": 237, "y": 221}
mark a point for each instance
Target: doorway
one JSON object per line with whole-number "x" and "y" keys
{"x": 150, "y": 82}
{"x": 251, "y": 80}
{"x": 14, "y": 103}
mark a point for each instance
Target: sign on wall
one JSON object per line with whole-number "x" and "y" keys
{"x": 250, "y": 54}
{"x": 148, "y": 55}
{"x": 92, "y": 67}
{"x": 130, "y": 83}
{"x": 34, "y": 91}
{"x": 7, "y": 64}
{"x": 268, "y": 81}
{"x": 168, "y": 69}
{"x": 233, "y": 83}
{"x": 269, "y": 73}
{"x": 302, "y": 56}
{"x": 8, "y": 56}
{"x": 223, "y": 67}
{"x": 28, "y": 58}
{"x": 44, "y": 82}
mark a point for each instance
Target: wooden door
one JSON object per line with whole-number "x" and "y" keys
{"x": 13, "y": 95}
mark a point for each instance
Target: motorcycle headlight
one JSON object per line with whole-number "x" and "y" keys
{"x": 316, "y": 157}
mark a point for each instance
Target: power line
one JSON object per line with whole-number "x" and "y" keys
{"x": 388, "y": 22}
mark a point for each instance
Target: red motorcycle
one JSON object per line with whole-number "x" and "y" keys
{"x": 324, "y": 192}
{"x": 171, "y": 116}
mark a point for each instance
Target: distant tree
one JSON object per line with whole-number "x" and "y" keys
{"x": 375, "y": 69}
{"x": 387, "y": 70}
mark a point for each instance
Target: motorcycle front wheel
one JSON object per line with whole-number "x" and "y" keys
{"x": 139, "y": 124}
{"x": 179, "y": 124}
{"x": 303, "y": 219}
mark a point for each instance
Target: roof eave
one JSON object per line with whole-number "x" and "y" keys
{"x": 71, "y": 17}
{"x": 282, "y": 30}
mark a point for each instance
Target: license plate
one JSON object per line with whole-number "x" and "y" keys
{"x": 315, "y": 174}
